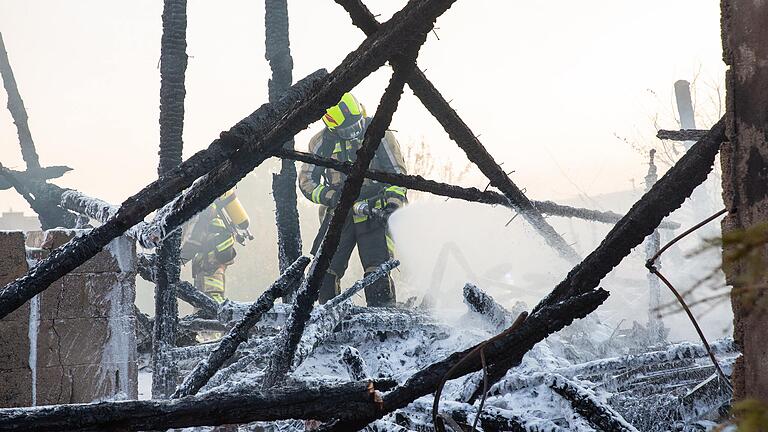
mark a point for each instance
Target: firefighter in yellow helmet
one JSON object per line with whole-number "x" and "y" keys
{"x": 209, "y": 243}
{"x": 366, "y": 227}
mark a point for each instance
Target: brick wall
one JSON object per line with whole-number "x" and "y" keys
{"x": 81, "y": 329}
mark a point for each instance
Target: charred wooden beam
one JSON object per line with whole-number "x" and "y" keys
{"x": 281, "y": 363}
{"x": 379, "y": 272}
{"x": 667, "y": 195}
{"x": 50, "y": 215}
{"x": 210, "y": 409}
{"x": 278, "y": 54}
{"x": 187, "y": 292}
{"x": 480, "y": 302}
{"x": 74, "y": 201}
{"x": 18, "y": 111}
{"x": 173, "y": 67}
{"x": 45, "y": 173}
{"x": 511, "y": 344}
{"x": 682, "y": 134}
{"x": 393, "y": 38}
{"x": 466, "y": 139}
{"x": 419, "y": 183}
{"x": 146, "y": 267}
{"x": 239, "y": 332}
{"x": 353, "y": 361}
{"x": 71, "y": 255}
{"x": 598, "y": 414}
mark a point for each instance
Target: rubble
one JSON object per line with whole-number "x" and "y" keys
{"x": 239, "y": 333}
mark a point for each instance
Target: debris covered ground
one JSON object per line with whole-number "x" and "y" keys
{"x": 582, "y": 378}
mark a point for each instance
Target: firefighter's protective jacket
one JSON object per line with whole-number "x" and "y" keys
{"x": 323, "y": 185}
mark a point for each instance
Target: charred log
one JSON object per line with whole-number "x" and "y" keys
{"x": 45, "y": 173}
{"x": 239, "y": 332}
{"x": 665, "y": 196}
{"x": 50, "y": 215}
{"x": 682, "y": 134}
{"x": 187, "y": 292}
{"x": 145, "y": 266}
{"x": 419, "y": 183}
{"x": 328, "y": 316}
{"x": 210, "y": 409}
{"x": 18, "y": 111}
{"x": 599, "y": 415}
{"x": 354, "y": 363}
{"x": 483, "y": 304}
{"x": 308, "y": 293}
{"x": 466, "y": 139}
{"x": 173, "y": 66}
{"x": 278, "y": 54}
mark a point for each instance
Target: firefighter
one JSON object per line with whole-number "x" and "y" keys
{"x": 366, "y": 226}
{"x": 209, "y": 243}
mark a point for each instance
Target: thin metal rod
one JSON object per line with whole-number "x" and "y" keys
{"x": 650, "y": 265}
{"x": 695, "y": 325}
{"x": 684, "y": 234}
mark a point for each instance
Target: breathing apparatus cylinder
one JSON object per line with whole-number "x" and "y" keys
{"x": 234, "y": 210}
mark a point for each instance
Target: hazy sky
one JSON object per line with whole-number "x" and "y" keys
{"x": 547, "y": 84}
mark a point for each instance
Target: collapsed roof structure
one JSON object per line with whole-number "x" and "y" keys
{"x": 259, "y": 371}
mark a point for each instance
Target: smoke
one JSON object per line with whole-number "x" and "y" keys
{"x": 445, "y": 244}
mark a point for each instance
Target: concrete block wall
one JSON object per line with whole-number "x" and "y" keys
{"x": 75, "y": 342}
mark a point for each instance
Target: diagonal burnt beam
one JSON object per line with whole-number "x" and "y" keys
{"x": 419, "y": 183}
{"x": 281, "y": 362}
{"x": 227, "y": 346}
{"x": 599, "y": 414}
{"x": 466, "y": 139}
{"x": 18, "y": 111}
{"x": 133, "y": 210}
{"x": 573, "y": 298}
{"x": 278, "y": 53}
{"x": 232, "y": 156}
{"x": 664, "y": 197}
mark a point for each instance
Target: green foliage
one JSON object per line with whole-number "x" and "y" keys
{"x": 751, "y": 415}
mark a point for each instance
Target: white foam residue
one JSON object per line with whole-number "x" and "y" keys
{"x": 116, "y": 355}
{"x": 120, "y": 248}
{"x": 34, "y": 329}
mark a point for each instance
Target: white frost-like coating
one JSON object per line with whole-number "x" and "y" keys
{"x": 34, "y": 329}
{"x": 121, "y": 249}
